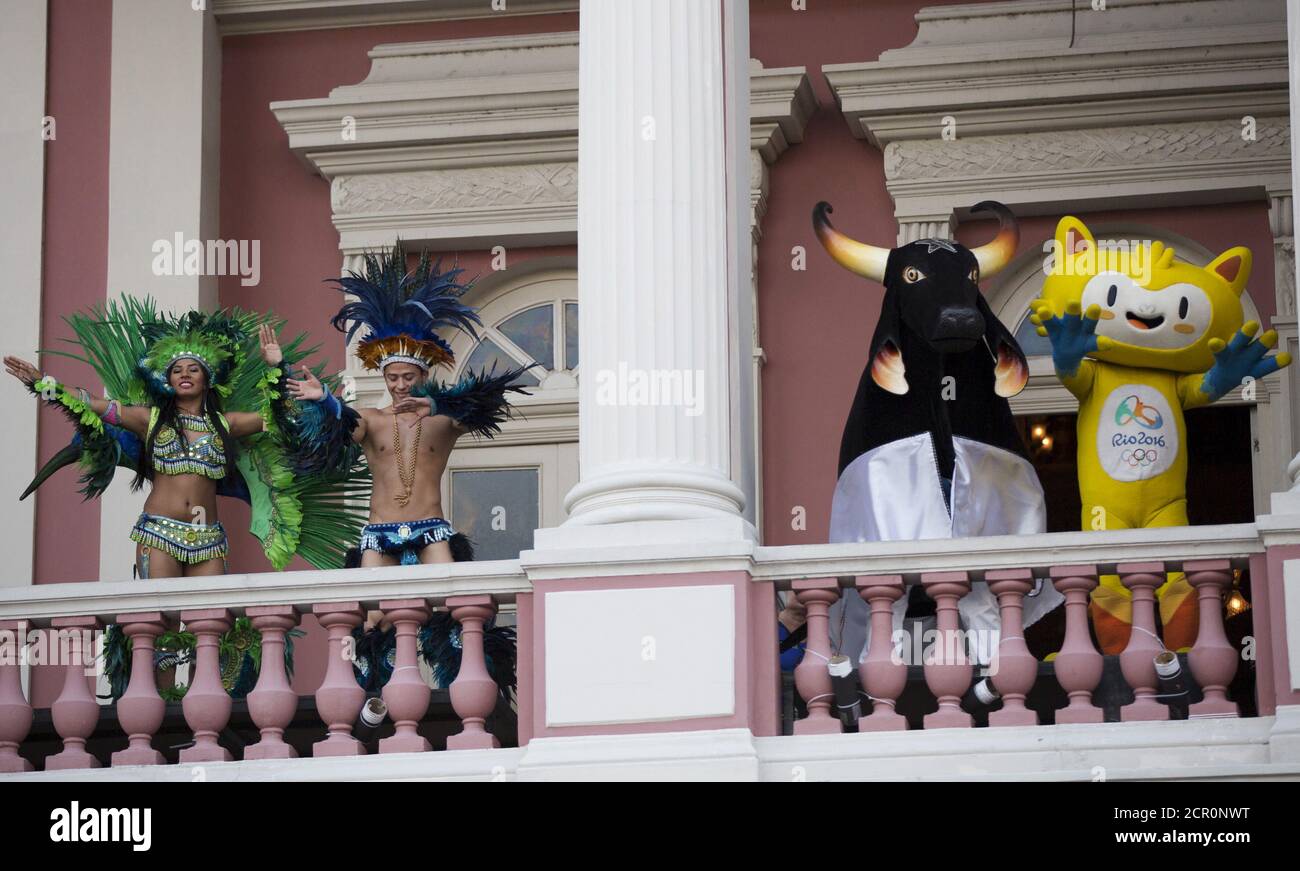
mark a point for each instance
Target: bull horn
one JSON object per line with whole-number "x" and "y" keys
{"x": 997, "y": 253}
{"x": 866, "y": 260}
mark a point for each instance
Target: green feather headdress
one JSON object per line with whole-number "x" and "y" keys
{"x": 215, "y": 341}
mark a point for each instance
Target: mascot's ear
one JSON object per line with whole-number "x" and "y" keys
{"x": 1011, "y": 369}
{"x": 887, "y": 368}
{"x": 1073, "y": 237}
{"x": 1233, "y": 266}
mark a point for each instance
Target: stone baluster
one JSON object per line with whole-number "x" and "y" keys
{"x": 272, "y": 703}
{"x": 15, "y": 711}
{"x": 473, "y": 692}
{"x": 1137, "y": 662}
{"x": 340, "y": 697}
{"x": 206, "y": 704}
{"x": 1014, "y": 668}
{"x": 1078, "y": 665}
{"x": 1213, "y": 659}
{"x": 947, "y": 668}
{"x": 75, "y": 712}
{"x": 141, "y": 709}
{"x": 406, "y": 693}
{"x": 883, "y": 674}
{"x": 811, "y": 678}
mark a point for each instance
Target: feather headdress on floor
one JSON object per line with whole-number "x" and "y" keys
{"x": 402, "y": 311}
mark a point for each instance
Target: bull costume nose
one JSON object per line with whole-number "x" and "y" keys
{"x": 954, "y": 325}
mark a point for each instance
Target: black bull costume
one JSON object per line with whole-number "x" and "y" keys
{"x": 930, "y": 448}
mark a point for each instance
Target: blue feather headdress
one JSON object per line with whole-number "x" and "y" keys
{"x": 403, "y": 310}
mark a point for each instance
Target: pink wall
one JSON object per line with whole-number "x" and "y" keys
{"x": 74, "y": 267}
{"x": 816, "y": 324}
{"x": 74, "y": 264}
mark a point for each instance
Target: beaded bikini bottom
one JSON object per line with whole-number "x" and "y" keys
{"x": 407, "y": 538}
{"x": 188, "y": 543}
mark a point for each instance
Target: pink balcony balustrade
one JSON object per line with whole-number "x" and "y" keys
{"x": 1076, "y": 666}
{"x": 15, "y": 710}
{"x": 308, "y": 721}
{"x": 1079, "y": 663}
{"x": 275, "y": 704}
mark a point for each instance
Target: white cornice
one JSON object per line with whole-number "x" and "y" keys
{"x": 1050, "y": 108}
{"x": 472, "y": 143}
{"x": 270, "y": 16}
{"x": 781, "y": 101}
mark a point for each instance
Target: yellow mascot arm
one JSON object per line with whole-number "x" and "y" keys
{"x": 1190, "y": 394}
{"x": 1080, "y": 383}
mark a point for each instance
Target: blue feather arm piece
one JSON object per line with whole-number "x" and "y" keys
{"x": 98, "y": 453}
{"x": 317, "y": 440}
{"x": 478, "y": 400}
{"x": 440, "y": 645}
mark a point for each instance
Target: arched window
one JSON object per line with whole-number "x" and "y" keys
{"x": 544, "y": 335}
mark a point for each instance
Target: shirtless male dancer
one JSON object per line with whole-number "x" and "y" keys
{"x": 408, "y": 443}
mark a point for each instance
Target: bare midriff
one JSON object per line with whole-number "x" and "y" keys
{"x": 188, "y": 498}
{"x": 437, "y": 437}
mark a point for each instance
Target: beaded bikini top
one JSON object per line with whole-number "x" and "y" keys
{"x": 174, "y": 454}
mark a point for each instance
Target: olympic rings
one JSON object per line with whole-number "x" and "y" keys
{"x": 1138, "y": 457}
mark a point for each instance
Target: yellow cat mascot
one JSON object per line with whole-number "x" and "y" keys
{"x": 1138, "y": 337}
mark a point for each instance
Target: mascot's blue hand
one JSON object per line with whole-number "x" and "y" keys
{"x": 1073, "y": 336}
{"x": 1241, "y": 359}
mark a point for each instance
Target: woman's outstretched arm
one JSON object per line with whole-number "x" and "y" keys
{"x": 132, "y": 417}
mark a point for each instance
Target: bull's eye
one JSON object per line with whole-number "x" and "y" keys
{"x": 975, "y": 275}
{"x": 912, "y": 275}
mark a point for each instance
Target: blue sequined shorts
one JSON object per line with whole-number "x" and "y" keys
{"x": 406, "y": 538}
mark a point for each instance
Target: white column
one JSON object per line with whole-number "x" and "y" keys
{"x": 164, "y": 146}
{"x": 655, "y": 277}
{"x": 1289, "y": 502}
{"x": 741, "y": 253}
{"x": 22, "y": 215}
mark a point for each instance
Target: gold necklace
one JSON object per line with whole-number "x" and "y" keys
{"x": 406, "y": 474}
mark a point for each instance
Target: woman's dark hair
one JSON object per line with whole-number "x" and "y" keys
{"x": 169, "y": 415}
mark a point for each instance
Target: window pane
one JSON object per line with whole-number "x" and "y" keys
{"x": 488, "y": 353}
{"x": 533, "y": 332}
{"x": 1030, "y": 342}
{"x": 570, "y": 335}
{"x": 497, "y": 509}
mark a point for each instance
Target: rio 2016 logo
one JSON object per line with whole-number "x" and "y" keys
{"x": 1133, "y": 442}
{"x": 1133, "y": 410}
